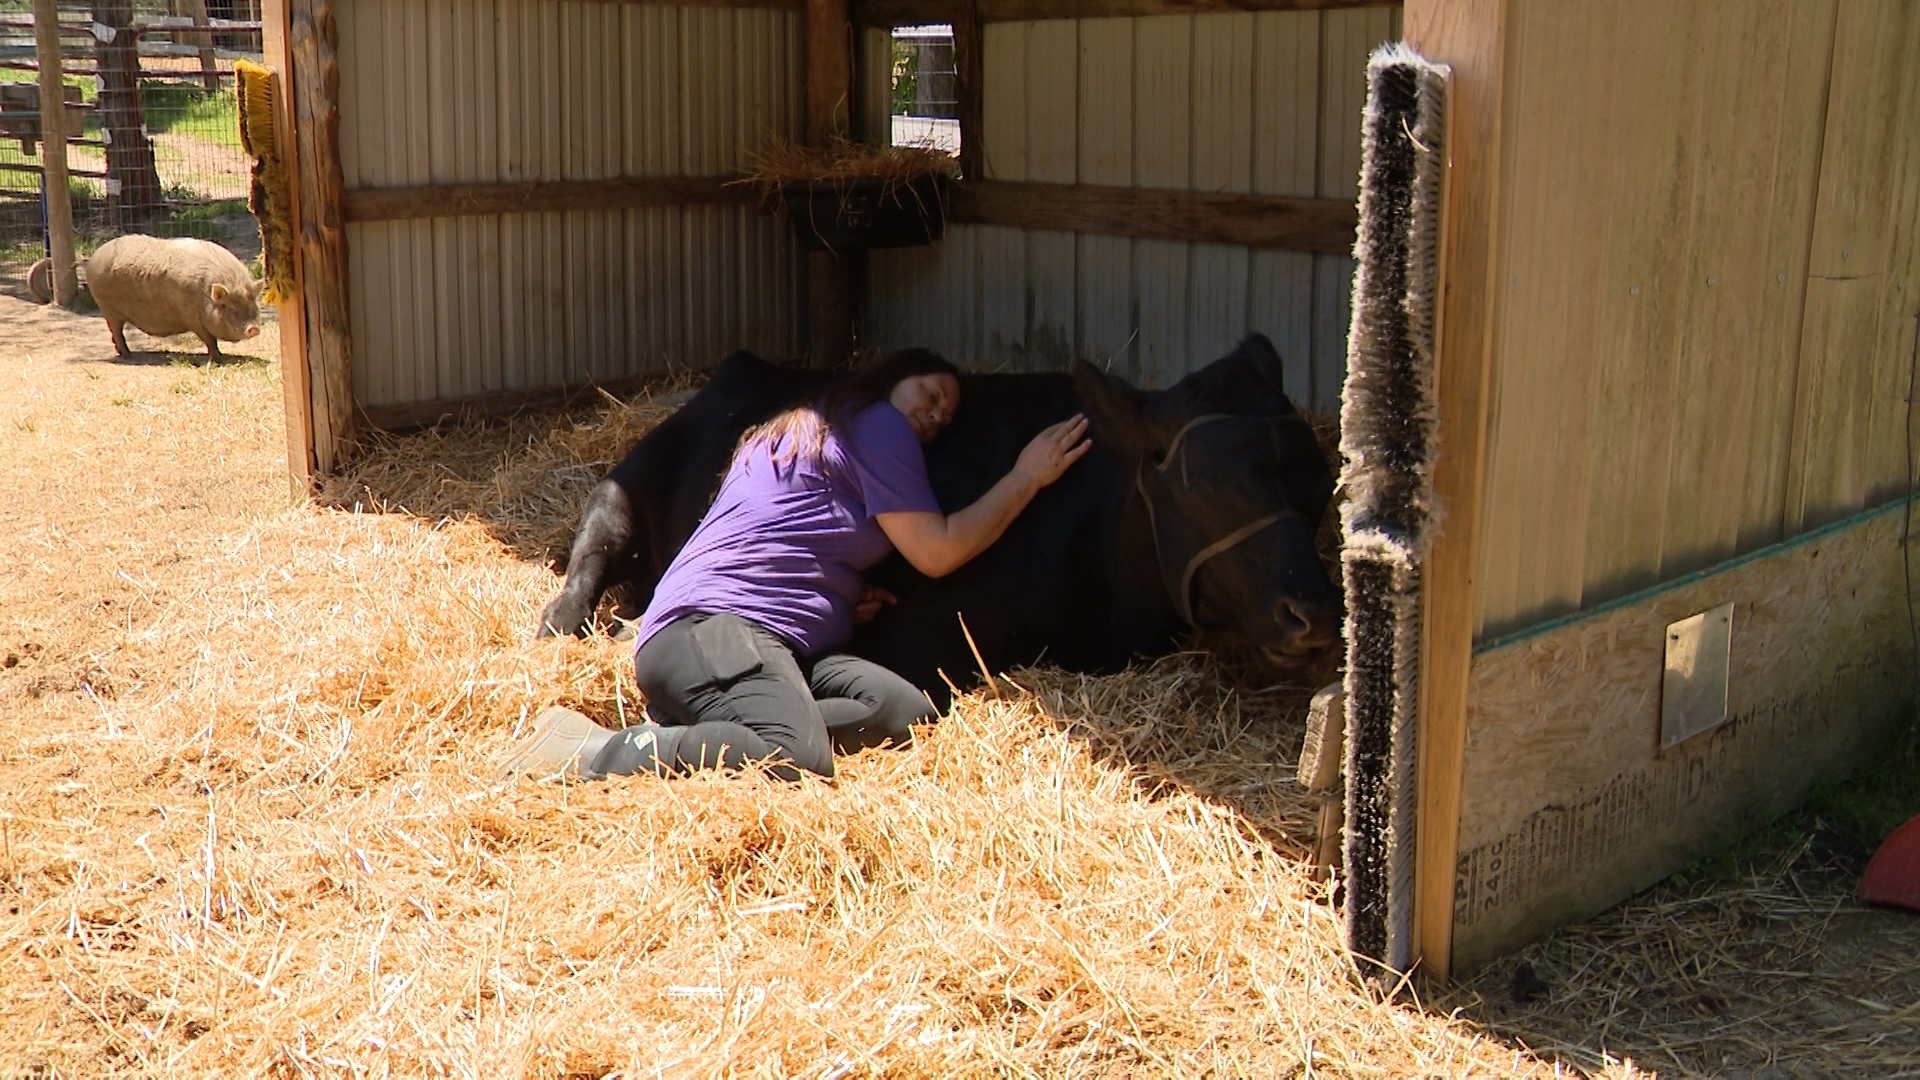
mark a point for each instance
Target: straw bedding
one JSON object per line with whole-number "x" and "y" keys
{"x": 248, "y": 822}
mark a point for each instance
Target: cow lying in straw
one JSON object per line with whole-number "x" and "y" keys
{"x": 1195, "y": 510}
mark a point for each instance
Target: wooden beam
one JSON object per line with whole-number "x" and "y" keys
{"x": 1469, "y": 35}
{"x": 323, "y": 239}
{"x": 969, "y": 66}
{"x": 463, "y": 200}
{"x": 53, "y": 151}
{"x": 1323, "y": 226}
{"x": 278, "y": 55}
{"x": 769, "y": 5}
{"x": 830, "y": 303}
{"x": 922, "y": 12}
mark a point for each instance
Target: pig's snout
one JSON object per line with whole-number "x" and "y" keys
{"x": 253, "y": 330}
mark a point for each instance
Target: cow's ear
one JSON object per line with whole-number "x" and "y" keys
{"x": 1250, "y": 380}
{"x": 1119, "y": 412}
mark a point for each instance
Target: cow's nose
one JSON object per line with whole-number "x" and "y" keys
{"x": 1293, "y": 618}
{"x": 1305, "y": 622}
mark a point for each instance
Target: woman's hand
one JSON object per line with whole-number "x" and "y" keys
{"x": 1054, "y": 450}
{"x": 872, "y": 599}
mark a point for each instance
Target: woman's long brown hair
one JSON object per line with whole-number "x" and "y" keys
{"x": 807, "y": 425}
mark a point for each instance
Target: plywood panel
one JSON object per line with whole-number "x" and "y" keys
{"x": 1568, "y": 803}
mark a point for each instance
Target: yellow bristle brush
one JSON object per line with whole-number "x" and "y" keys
{"x": 270, "y": 198}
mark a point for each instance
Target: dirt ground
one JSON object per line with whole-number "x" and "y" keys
{"x": 157, "y": 568}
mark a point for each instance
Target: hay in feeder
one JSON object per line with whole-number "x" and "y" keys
{"x": 780, "y": 162}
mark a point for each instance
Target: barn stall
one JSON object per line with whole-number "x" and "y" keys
{"x": 501, "y": 201}
{"x": 1674, "y": 351}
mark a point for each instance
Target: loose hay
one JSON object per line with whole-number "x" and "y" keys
{"x": 247, "y": 823}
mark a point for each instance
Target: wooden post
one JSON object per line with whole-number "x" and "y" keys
{"x": 1470, "y": 36}
{"x": 968, "y": 68}
{"x": 203, "y": 37}
{"x": 294, "y": 374}
{"x": 322, "y": 237}
{"x": 830, "y": 305}
{"x": 53, "y": 149}
{"x": 133, "y": 181}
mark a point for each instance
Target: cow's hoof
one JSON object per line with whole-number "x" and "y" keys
{"x": 559, "y": 620}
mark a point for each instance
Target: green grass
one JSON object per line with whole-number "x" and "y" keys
{"x": 191, "y": 110}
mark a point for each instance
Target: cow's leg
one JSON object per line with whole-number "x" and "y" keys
{"x": 606, "y": 530}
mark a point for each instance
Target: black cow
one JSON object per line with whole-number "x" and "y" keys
{"x": 1196, "y": 507}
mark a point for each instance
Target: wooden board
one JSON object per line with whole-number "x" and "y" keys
{"x": 1470, "y": 37}
{"x": 1848, "y": 370}
{"x": 322, "y": 235}
{"x": 295, "y": 392}
{"x": 1649, "y": 333}
{"x": 1568, "y": 804}
{"x": 1255, "y": 221}
{"x": 922, "y": 12}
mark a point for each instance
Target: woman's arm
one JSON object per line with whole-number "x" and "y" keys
{"x": 939, "y": 544}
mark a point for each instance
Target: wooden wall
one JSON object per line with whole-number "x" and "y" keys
{"x": 524, "y": 91}
{"x": 1682, "y": 293}
{"x": 1265, "y": 103}
{"x": 1709, "y": 284}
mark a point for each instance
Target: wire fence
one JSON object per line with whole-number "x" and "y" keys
{"x": 153, "y": 133}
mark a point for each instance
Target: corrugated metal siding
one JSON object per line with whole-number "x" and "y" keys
{"x": 1266, "y": 103}
{"x": 478, "y": 91}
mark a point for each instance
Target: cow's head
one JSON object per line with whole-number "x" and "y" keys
{"x": 1234, "y": 486}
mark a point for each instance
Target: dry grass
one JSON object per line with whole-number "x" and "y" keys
{"x": 248, "y": 820}
{"x": 781, "y": 161}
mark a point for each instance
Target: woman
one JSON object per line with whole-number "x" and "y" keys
{"x": 736, "y": 650}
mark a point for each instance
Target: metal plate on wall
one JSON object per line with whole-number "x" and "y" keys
{"x": 1693, "y": 692}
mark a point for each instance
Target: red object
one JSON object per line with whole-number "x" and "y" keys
{"x": 1893, "y": 874}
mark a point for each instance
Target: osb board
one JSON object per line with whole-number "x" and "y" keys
{"x": 1660, "y": 168}
{"x": 1568, "y": 806}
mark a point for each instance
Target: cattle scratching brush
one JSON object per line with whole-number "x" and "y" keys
{"x": 1388, "y": 424}
{"x": 269, "y": 196}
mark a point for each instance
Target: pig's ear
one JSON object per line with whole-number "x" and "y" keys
{"x": 219, "y": 292}
{"x": 259, "y": 287}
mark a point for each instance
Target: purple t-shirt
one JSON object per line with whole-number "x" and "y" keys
{"x": 784, "y": 544}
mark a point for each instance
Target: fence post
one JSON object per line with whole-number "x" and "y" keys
{"x": 831, "y": 308}
{"x": 53, "y": 149}
{"x": 133, "y": 181}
